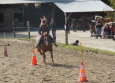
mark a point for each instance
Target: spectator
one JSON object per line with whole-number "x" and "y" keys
{"x": 98, "y": 28}
{"x": 112, "y": 27}
{"x": 107, "y": 31}
{"x": 53, "y": 29}
{"x": 92, "y": 28}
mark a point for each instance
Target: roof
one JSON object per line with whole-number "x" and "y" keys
{"x": 69, "y": 5}
{"x": 84, "y": 6}
{"x": 39, "y": 1}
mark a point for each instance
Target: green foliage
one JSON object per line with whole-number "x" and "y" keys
{"x": 112, "y": 4}
{"x": 87, "y": 49}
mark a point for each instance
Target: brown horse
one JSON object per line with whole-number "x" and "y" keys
{"x": 79, "y": 23}
{"x": 107, "y": 20}
{"x": 46, "y": 46}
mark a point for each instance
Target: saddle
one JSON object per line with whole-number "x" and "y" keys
{"x": 45, "y": 33}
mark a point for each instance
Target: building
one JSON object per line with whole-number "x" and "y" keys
{"x": 21, "y": 11}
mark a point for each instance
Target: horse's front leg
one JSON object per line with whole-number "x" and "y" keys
{"x": 44, "y": 57}
{"x": 52, "y": 57}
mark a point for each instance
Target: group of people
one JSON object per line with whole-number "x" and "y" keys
{"x": 44, "y": 27}
{"x": 106, "y": 31}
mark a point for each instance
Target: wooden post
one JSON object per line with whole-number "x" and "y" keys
{"x": 66, "y": 33}
{"x": 53, "y": 10}
{"x": 28, "y": 25}
{"x": 13, "y": 29}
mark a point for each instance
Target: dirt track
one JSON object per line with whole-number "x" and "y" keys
{"x": 16, "y": 67}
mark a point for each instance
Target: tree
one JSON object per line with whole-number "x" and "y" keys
{"x": 112, "y": 4}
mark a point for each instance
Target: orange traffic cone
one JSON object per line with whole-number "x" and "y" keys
{"x": 5, "y": 51}
{"x": 34, "y": 61}
{"x": 82, "y": 77}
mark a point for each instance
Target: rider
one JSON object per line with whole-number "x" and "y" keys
{"x": 44, "y": 28}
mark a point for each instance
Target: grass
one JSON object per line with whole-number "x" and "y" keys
{"x": 84, "y": 49}
{"x": 87, "y": 49}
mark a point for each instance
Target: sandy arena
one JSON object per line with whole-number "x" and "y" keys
{"x": 16, "y": 67}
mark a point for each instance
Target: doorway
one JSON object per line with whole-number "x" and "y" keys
{"x": 8, "y": 18}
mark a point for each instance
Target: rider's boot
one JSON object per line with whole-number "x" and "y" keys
{"x": 53, "y": 41}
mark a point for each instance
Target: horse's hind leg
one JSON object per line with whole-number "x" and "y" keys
{"x": 52, "y": 57}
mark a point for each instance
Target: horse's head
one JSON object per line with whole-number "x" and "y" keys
{"x": 73, "y": 22}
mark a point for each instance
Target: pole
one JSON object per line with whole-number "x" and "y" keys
{"x": 66, "y": 33}
{"x": 28, "y": 25}
{"x": 81, "y": 52}
{"x": 53, "y": 10}
{"x": 4, "y": 38}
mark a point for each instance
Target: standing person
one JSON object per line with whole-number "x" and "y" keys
{"x": 98, "y": 25}
{"x": 112, "y": 27}
{"x": 53, "y": 29}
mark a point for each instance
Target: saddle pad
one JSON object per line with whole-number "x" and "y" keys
{"x": 38, "y": 39}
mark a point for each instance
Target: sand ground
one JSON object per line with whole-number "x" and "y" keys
{"x": 16, "y": 68}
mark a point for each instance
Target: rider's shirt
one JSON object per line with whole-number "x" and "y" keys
{"x": 43, "y": 28}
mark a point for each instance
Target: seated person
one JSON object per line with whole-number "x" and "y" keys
{"x": 112, "y": 31}
{"x": 107, "y": 31}
{"x": 43, "y": 28}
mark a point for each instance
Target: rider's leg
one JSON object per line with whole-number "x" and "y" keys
{"x": 52, "y": 40}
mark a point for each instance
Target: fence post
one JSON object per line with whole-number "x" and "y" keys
{"x": 66, "y": 33}
{"x": 28, "y": 25}
{"x": 13, "y": 29}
